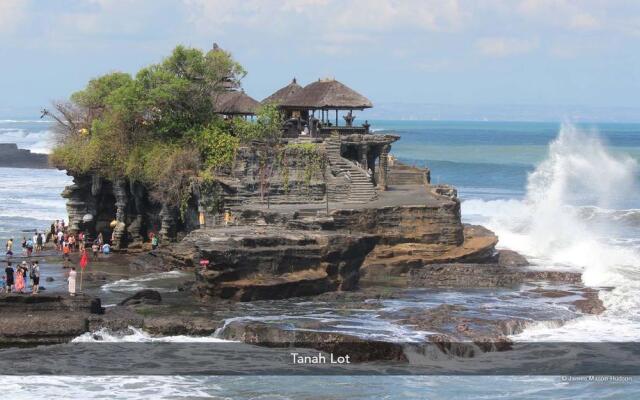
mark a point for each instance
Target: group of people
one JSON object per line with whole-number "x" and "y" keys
{"x": 68, "y": 242}
{"x": 29, "y": 246}
{"x": 17, "y": 280}
{"x": 27, "y": 273}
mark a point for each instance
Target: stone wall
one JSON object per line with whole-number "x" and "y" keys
{"x": 260, "y": 175}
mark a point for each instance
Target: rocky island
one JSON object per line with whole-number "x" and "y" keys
{"x": 13, "y": 157}
{"x": 286, "y": 205}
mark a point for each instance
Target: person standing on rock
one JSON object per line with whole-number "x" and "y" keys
{"x": 9, "y": 277}
{"x": 29, "y": 247}
{"x": 60, "y": 240}
{"x": 72, "y": 281}
{"x": 81, "y": 242}
{"x": 72, "y": 242}
{"x": 23, "y": 270}
{"x": 154, "y": 242}
{"x": 38, "y": 242}
{"x": 66, "y": 254}
{"x": 35, "y": 276}
{"x": 19, "y": 281}
{"x": 95, "y": 248}
{"x": 10, "y": 247}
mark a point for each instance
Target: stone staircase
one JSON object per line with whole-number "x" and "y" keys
{"x": 361, "y": 189}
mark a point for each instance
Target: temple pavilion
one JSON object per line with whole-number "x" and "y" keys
{"x": 314, "y": 109}
{"x": 235, "y": 103}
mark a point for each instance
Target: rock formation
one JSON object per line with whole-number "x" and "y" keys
{"x": 13, "y": 157}
{"x": 247, "y": 263}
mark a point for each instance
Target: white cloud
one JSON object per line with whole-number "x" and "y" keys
{"x": 584, "y": 21}
{"x": 12, "y": 13}
{"x": 505, "y": 46}
{"x": 331, "y": 26}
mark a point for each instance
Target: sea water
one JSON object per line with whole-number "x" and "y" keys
{"x": 564, "y": 195}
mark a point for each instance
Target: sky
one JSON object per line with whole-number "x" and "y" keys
{"x": 412, "y": 58}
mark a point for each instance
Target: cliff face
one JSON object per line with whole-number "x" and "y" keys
{"x": 273, "y": 262}
{"x": 434, "y": 223}
{"x": 93, "y": 203}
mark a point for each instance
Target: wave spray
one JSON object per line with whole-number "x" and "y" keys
{"x": 573, "y": 217}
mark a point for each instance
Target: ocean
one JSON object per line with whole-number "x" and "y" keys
{"x": 564, "y": 195}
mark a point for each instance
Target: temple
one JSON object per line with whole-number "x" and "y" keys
{"x": 313, "y": 113}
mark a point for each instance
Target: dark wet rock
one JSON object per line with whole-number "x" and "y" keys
{"x": 512, "y": 326}
{"x": 49, "y": 279}
{"x": 510, "y": 258}
{"x": 482, "y": 275}
{"x": 115, "y": 319}
{"x": 146, "y": 296}
{"x": 270, "y": 335}
{"x": 34, "y": 303}
{"x": 467, "y": 349}
{"x": 41, "y": 327}
{"x": 172, "y": 325}
{"x": 591, "y": 304}
{"x": 456, "y": 323}
{"x": 552, "y": 293}
{"x": 44, "y": 319}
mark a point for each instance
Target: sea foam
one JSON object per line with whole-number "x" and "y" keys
{"x": 554, "y": 225}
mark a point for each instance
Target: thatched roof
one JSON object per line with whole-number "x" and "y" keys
{"x": 283, "y": 94}
{"x": 235, "y": 103}
{"x": 328, "y": 94}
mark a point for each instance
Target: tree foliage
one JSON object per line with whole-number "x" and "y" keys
{"x": 158, "y": 127}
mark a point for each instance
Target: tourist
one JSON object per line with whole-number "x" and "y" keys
{"x": 34, "y": 240}
{"x": 72, "y": 281}
{"x": 19, "y": 280}
{"x": 60, "y": 235}
{"x": 24, "y": 271}
{"x": 43, "y": 240}
{"x": 66, "y": 254}
{"x": 106, "y": 249}
{"x": 100, "y": 239}
{"x": 95, "y": 248}
{"x": 29, "y": 247}
{"x": 24, "y": 245}
{"x": 3, "y": 284}
{"x": 72, "y": 242}
{"x": 35, "y": 278}
{"x": 154, "y": 242}
{"x": 9, "y": 277}
{"x": 10, "y": 246}
{"x": 81, "y": 241}
{"x": 39, "y": 243}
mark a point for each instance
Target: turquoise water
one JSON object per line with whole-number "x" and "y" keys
{"x": 491, "y": 160}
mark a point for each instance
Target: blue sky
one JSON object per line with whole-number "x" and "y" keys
{"x": 482, "y": 56}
